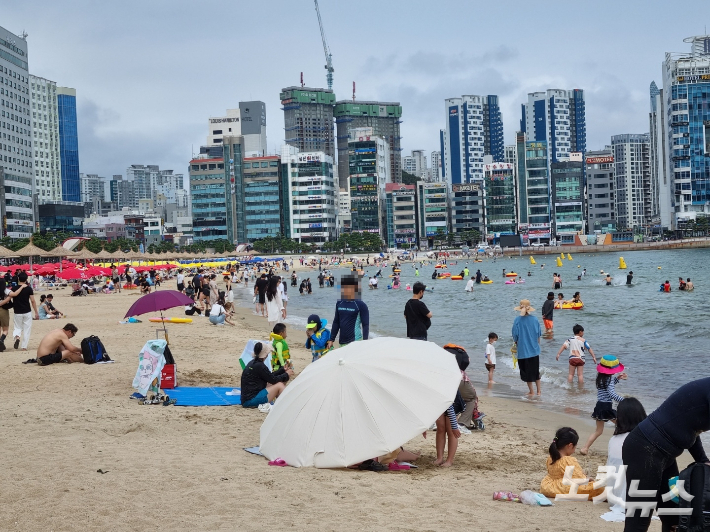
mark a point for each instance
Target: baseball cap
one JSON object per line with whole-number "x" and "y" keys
{"x": 313, "y": 321}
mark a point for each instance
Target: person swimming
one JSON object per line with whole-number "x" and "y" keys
{"x": 560, "y": 300}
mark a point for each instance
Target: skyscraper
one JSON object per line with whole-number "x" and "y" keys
{"x": 308, "y": 119}
{"x": 435, "y": 166}
{"x": 683, "y": 143}
{"x": 556, "y": 117}
{"x": 415, "y": 164}
{"x": 16, "y": 160}
{"x": 568, "y": 210}
{"x": 474, "y": 128}
{"x": 383, "y": 117}
{"x": 45, "y": 136}
{"x": 659, "y": 180}
{"x": 68, "y": 144}
{"x": 632, "y": 169}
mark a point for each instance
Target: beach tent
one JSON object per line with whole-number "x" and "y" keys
{"x": 360, "y": 401}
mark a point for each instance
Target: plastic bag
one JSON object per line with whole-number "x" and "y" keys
{"x": 534, "y": 499}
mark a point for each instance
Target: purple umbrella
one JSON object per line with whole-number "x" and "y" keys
{"x": 158, "y": 301}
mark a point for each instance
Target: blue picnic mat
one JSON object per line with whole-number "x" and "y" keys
{"x": 192, "y": 396}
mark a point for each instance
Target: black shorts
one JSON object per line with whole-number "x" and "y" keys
{"x": 116, "y": 280}
{"x": 181, "y": 287}
{"x": 529, "y": 369}
{"x": 51, "y": 358}
{"x": 262, "y": 298}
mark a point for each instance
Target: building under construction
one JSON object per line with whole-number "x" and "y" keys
{"x": 308, "y": 119}
{"x": 383, "y": 117}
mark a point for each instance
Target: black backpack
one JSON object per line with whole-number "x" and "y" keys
{"x": 93, "y": 350}
{"x": 697, "y": 484}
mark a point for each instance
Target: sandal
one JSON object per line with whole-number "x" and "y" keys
{"x": 279, "y": 462}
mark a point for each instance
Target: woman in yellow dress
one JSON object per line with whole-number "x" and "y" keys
{"x": 561, "y": 450}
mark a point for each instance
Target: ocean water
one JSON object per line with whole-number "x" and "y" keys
{"x": 662, "y": 339}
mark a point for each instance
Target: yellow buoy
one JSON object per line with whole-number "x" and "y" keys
{"x": 659, "y": 267}
{"x": 622, "y": 263}
{"x": 532, "y": 260}
{"x": 569, "y": 257}
{"x": 559, "y": 262}
{"x": 578, "y": 266}
{"x": 562, "y": 255}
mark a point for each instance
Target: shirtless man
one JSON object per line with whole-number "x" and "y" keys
{"x": 56, "y": 347}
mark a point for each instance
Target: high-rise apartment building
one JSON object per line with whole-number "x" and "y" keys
{"x": 433, "y": 212}
{"x": 536, "y": 208}
{"x": 45, "y": 137}
{"x": 511, "y": 155}
{"x": 474, "y": 128}
{"x": 660, "y": 190}
{"x": 493, "y": 126}
{"x": 683, "y": 135}
{"x": 383, "y": 117}
{"x": 568, "y": 210}
{"x": 632, "y": 171}
{"x": 435, "y": 173}
{"x": 68, "y": 144}
{"x": 601, "y": 183}
{"x": 263, "y": 197}
{"x": 400, "y": 215}
{"x": 123, "y": 192}
{"x": 16, "y": 142}
{"x": 556, "y": 117}
{"x": 308, "y": 119}
{"x": 500, "y": 204}
{"x": 248, "y": 121}
{"x": 311, "y": 214}
{"x": 208, "y": 189}
{"x": 369, "y": 169}
{"x": 415, "y": 164}
{"x": 93, "y": 186}
{"x": 468, "y": 209}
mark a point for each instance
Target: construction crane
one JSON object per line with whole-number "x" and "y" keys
{"x": 328, "y": 55}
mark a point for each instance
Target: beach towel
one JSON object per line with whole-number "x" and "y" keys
{"x": 150, "y": 364}
{"x": 247, "y": 357}
{"x": 195, "y": 396}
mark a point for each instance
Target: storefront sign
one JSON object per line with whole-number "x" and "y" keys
{"x": 600, "y": 160}
{"x": 472, "y": 187}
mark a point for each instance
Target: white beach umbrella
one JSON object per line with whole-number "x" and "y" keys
{"x": 360, "y": 401}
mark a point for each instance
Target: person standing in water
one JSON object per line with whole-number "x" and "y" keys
{"x": 608, "y": 279}
{"x": 629, "y": 277}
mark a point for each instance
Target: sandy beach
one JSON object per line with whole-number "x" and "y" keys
{"x": 180, "y": 468}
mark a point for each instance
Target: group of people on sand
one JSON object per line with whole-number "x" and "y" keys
{"x": 643, "y": 450}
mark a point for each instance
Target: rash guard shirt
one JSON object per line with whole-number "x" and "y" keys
{"x": 676, "y": 424}
{"x": 352, "y": 321}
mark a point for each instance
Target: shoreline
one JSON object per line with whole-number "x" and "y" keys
{"x": 188, "y": 463}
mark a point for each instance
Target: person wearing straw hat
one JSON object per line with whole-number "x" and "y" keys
{"x": 526, "y": 334}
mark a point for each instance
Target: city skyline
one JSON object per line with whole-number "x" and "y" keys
{"x": 165, "y": 57}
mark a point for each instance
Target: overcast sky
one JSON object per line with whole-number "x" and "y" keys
{"x": 148, "y": 74}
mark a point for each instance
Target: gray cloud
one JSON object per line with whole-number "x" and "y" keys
{"x": 149, "y": 74}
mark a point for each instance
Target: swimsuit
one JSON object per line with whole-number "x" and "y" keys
{"x": 51, "y": 358}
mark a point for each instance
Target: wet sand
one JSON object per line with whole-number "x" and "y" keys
{"x": 179, "y": 468}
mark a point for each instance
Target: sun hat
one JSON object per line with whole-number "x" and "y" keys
{"x": 609, "y": 365}
{"x": 524, "y": 307}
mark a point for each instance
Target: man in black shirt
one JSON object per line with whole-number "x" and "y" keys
{"x": 260, "y": 292}
{"x": 4, "y": 312}
{"x": 417, "y": 314}
{"x": 629, "y": 277}
{"x": 548, "y": 308}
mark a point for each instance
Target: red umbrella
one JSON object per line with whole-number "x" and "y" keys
{"x": 72, "y": 273}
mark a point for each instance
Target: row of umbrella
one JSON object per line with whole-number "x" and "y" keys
{"x": 69, "y": 270}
